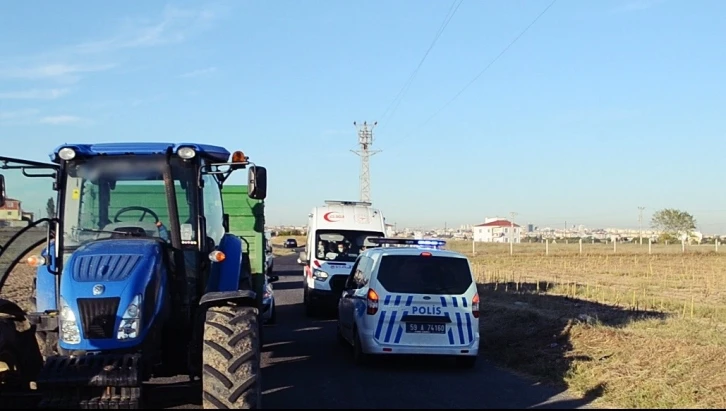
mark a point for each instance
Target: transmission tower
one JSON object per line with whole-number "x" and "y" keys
{"x": 640, "y": 224}
{"x": 365, "y": 142}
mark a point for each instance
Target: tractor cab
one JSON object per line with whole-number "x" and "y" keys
{"x": 138, "y": 252}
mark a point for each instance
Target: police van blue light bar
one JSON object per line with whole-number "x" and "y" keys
{"x": 407, "y": 241}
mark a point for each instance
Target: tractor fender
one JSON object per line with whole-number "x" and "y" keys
{"x": 230, "y": 274}
{"x": 241, "y": 298}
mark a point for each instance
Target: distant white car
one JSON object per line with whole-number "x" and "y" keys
{"x": 269, "y": 312}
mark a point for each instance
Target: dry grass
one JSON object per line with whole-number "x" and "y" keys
{"x": 643, "y": 331}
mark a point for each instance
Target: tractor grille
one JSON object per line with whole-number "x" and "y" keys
{"x": 98, "y": 317}
{"x": 101, "y": 268}
{"x": 337, "y": 283}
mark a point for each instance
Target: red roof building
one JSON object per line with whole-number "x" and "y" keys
{"x": 11, "y": 211}
{"x": 11, "y": 205}
{"x": 497, "y": 230}
{"x": 497, "y": 223}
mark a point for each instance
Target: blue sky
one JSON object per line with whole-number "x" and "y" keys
{"x": 599, "y": 108}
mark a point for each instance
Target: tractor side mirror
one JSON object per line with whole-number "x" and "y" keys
{"x": 257, "y": 182}
{"x": 225, "y": 222}
{"x": 2, "y": 190}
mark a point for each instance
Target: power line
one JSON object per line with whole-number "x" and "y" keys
{"x": 393, "y": 106}
{"x": 485, "y": 69}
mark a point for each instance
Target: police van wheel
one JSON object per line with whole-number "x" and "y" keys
{"x": 466, "y": 362}
{"x": 359, "y": 357}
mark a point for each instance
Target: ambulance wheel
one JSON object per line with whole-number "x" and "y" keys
{"x": 466, "y": 362}
{"x": 231, "y": 359}
{"x": 273, "y": 314}
{"x": 359, "y": 357}
{"x": 311, "y": 310}
{"x": 339, "y": 337}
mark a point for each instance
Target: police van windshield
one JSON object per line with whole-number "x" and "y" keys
{"x": 415, "y": 274}
{"x": 342, "y": 245}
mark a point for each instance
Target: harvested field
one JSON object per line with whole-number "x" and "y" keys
{"x": 18, "y": 286}
{"x": 631, "y": 329}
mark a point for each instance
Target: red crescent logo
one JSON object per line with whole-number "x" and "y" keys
{"x": 334, "y": 219}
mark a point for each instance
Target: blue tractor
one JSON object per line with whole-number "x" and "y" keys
{"x": 140, "y": 278}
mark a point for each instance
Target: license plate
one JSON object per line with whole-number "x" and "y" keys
{"x": 425, "y": 328}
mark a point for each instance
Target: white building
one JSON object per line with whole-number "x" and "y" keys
{"x": 497, "y": 230}
{"x": 390, "y": 230}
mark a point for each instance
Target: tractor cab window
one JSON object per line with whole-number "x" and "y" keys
{"x": 118, "y": 196}
{"x": 212, "y": 199}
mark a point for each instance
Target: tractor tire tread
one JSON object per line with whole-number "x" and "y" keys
{"x": 231, "y": 359}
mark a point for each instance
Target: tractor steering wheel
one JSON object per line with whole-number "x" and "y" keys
{"x": 144, "y": 211}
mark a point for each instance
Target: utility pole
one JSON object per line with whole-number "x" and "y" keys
{"x": 511, "y": 232}
{"x": 365, "y": 142}
{"x": 640, "y": 224}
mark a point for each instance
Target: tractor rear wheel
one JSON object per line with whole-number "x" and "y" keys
{"x": 20, "y": 359}
{"x": 231, "y": 359}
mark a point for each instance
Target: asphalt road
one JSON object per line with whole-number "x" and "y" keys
{"x": 304, "y": 367}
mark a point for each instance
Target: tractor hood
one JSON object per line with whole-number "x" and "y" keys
{"x": 111, "y": 268}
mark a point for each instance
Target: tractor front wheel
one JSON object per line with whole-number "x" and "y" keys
{"x": 231, "y": 359}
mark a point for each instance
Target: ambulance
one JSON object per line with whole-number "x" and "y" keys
{"x": 337, "y": 233}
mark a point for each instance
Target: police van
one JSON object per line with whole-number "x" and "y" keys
{"x": 410, "y": 296}
{"x": 337, "y": 233}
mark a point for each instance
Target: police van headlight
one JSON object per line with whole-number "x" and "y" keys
{"x": 320, "y": 275}
{"x": 69, "y": 331}
{"x": 131, "y": 320}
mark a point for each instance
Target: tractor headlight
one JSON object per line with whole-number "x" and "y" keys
{"x": 67, "y": 153}
{"x": 130, "y": 321}
{"x": 69, "y": 331}
{"x": 187, "y": 153}
{"x": 320, "y": 275}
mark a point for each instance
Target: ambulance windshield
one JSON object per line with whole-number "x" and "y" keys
{"x": 342, "y": 245}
